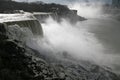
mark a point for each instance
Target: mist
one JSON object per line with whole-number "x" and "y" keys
{"x": 74, "y": 39}
{"x": 88, "y": 10}
{"x": 91, "y": 40}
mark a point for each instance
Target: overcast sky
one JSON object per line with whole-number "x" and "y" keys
{"x": 63, "y": 1}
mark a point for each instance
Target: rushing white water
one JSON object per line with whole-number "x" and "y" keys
{"x": 15, "y": 32}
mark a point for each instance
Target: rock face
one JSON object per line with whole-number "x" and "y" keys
{"x": 18, "y": 62}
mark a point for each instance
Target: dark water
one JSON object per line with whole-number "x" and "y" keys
{"x": 107, "y": 31}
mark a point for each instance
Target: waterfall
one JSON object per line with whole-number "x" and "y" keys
{"x": 33, "y": 25}
{"x": 23, "y": 20}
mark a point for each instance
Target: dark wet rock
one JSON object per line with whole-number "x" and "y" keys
{"x": 2, "y": 28}
{"x": 2, "y": 32}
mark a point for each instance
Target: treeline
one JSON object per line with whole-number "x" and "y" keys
{"x": 33, "y": 7}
